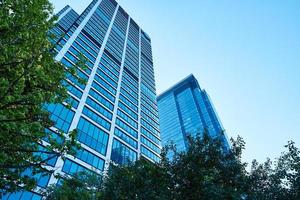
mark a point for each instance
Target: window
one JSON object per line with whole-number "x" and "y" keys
{"x": 71, "y": 167}
{"x": 51, "y": 135}
{"x": 61, "y": 115}
{"x": 102, "y": 100}
{"x": 126, "y": 128}
{"x": 149, "y": 127}
{"x": 107, "y": 78}
{"x": 103, "y": 91}
{"x": 130, "y": 91}
{"x": 149, "y": 154}
{"x": 127, "y": 119}
{"x": 50, "y": 157}
{"x": 128, "y": 103}
{"x": 90, "y": 158}
{"x": 105, "y": 84}
{"x": 122, "y": 135}
{"x": 72, "y": 89}
{"x": 42, "y": 179}
{"x": 127, "y": 110}
{"x": 92, "y": 136}
{"x": 73, "y": 102}
{"x": 97, "y": 118}
{"x": 150, "y": 135}
{"x": 148, "y": 92}
{"x": 131, "y": 98}
{"x": 98, "y": 108}
{"x": 150, "y": 144}
{"x": 122, "y": 154}
{"x": 74, "y": 80}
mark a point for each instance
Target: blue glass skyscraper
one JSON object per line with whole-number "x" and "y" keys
{"x": 115, "y": 111}
{"x": 186, "y": 110}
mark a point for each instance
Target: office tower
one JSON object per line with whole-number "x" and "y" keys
{"x": 186, "y": 110}
{"x": 115, "y": 111}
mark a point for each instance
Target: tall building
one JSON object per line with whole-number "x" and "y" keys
{"x": 115, "y": 111}
{"x": 186, "y": 110}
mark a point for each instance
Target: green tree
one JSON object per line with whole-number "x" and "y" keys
{"x": 261, "y": 181}
{"x": 288, "y": 171}
{"x": 29, "y": 79}
{"x": 205, "y": 171}
{"x": 82, "y": 186}
{"x": 142, "y": 180}
{"x": 278, "y": 180}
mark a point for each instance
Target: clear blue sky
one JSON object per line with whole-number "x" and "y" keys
{"x": 246, "y": 54}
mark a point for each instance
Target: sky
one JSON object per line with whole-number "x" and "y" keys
{"x": 245, "y": 54}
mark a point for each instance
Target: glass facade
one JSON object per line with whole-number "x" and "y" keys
{"x": 186, "y": 110}
{"x": 115, "y": 112}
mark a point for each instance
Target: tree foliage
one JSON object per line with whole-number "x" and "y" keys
{"x": 29, "y": 79}
{"x": 204, "y": 172}
{"x": 279, "y": 180}
{"x": 141, "y": 180}
{"x": 82, "y": 186}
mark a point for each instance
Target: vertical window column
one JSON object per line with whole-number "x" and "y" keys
{"x": 110, "y": 141}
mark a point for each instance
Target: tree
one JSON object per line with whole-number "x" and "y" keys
{"x": 204, "y": 171}
{"x": 29, "y": 80}
{"x": 288, "y": 171}
{"x": 276, "y": 180}
{"x": 142, "y": 180}
{"x": 82, "y": 186}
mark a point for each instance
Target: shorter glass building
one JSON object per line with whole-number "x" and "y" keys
{"x": 186, "y": 110}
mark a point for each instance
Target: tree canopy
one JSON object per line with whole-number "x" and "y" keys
{"x": 29, "y": 79}
{"x": 82, "y": 186}
{"x": 204, "y": 172}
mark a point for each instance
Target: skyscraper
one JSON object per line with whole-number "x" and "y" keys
{"x": 115, "y": 111}
{"x": 186, "y": 110}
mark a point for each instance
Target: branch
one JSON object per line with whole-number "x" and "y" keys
{"x": 16, "y": 81}
{"x": 13, "y": 120}
{"x": 12, "y": 85}
{"x": 38, "y": 164}
{"x": 31, "y": 151}
{"x": 15, "y": 63}
{"x": 20, "y": 134}
{"x": 21, "y": 102}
